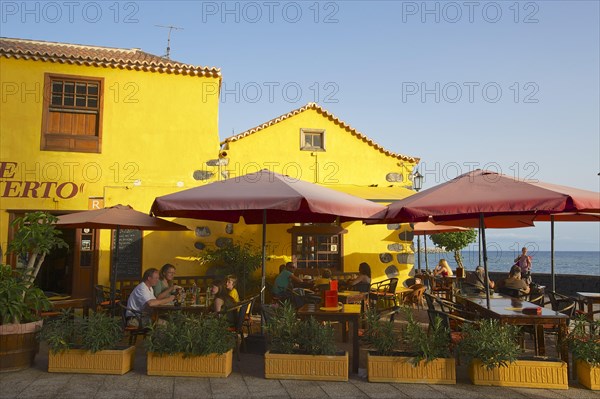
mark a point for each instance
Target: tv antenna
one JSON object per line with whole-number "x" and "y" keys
{"x": 170, "y": 27}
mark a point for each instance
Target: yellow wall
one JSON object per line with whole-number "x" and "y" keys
{"x": 157, "y": 130}
{"x": 347, "y": 160}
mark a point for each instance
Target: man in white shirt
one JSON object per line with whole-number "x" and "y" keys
{"x": 142, "y": 295}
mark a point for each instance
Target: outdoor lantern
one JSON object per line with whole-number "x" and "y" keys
{"x": 417, "y": 181}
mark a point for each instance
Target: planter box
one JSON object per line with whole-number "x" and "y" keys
{"x": 522, "y": 373}
{"x": 111, "y": 361}
{"x": 306, "y": 367}
{"x": 587, "y": 375}
{"x": 401, "y": 369}
{"x": 18, "y": 345}
{"x": 212, "y": 365}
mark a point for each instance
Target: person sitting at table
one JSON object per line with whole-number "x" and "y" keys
{"x": 477, "y": 279}
{"x": 283, "y": 280}
{"x": 514, "y": 281}
{"x": 222, "y": 300}
{"x": 442, "y": 269}
{"x": 142, "y": 297}
{"x": 325, "y": 278}
{"x": 362, "y": 282}
{"x": 165, "y": 285}
{"x": 230, "y": 283}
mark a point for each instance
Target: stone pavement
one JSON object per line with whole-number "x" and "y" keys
{"x": 246, "y": 381}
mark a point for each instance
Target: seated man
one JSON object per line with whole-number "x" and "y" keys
{"x": 142, "y": 297}
{"x": 514, "y": 281}
{"x": 477, "y": 279}
{"x": 284, "y": 281}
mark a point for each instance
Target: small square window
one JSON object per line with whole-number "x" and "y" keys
{"x": 312, "y": 140}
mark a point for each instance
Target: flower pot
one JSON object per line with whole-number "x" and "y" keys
{"x": 547, "y": 374}
{"x": 111, "y": 361}
{"x": 401, "y": 369}
{"x": 306, "y": 367}
{"x": 212, "y": 365}
{"x": 588, "y": 375}
{"x": 18, "y": 345}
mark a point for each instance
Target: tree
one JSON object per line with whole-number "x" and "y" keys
{"x": 35, "y": 236}
{"x": 454, "y": 242}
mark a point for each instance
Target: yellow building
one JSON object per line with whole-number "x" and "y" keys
{"x": 83, "y": 127}
{"x": 86, "y": 126}
{"x": 311, "y": 144}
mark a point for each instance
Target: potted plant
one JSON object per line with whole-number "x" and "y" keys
{"x": 427, "y": 357}
{"x": 584, "y": 341}
{"x": 494, "y": 352}
{"x": 302, "y": 350}
{"x": 20, "y": 301}
{"x": 190, "y": 345}
{"x": 87, "y": 345}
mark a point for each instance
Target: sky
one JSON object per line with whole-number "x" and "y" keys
{"x": 509, "y": 86}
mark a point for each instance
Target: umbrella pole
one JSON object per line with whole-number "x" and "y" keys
{"x": 113, "y": 280}
{"x": 425, "y": 244}
{"x": 552, "y": 253}
{"x": 264, "y": 266}
{"x": 419, "y": 252}
{"x": 485, "y": 265}
{"x": 479, "y": 243}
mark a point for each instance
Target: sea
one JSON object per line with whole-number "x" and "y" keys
{"x": 565, "y": 262}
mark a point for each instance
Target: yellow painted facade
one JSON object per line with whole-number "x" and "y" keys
{"x": 158, "y": 129}
{"x": 159, "y": 134}
{"x": 349, "y": 159}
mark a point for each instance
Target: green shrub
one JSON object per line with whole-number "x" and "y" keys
{"x": 426, "y": 345}
{"x": 584, "y": 340}
{"x": 380, "y": 334}
{"x": 192, "y": 335}
{"x": 20, "y": 301}
{"x": 493, "y": 343}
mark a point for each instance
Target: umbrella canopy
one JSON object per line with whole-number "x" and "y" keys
{"x": 429, "y": 228}
{"x": 265, "y": 197}
{"x": 288, "y": 200}
{"x": 488, "y": 193}
{"x": 116, "y": 217}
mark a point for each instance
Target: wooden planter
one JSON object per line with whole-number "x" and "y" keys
{"x": 522, "y": 373}
{"x": 112, "y": 361}
{"x": 212, "y": 365}
{"x": 306, "y": 367}
{"x": 401, "y": 369}
{"x": 18, "y": 345}
{"x": 588, "y": 375}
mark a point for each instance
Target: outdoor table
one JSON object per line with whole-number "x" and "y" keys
{"x": 509, "y": 310}
{"x": 75, "y": 303}
{"x": 590, "y": 298}
{"x": 351, "y": 296}
{"x": 348, "y": 313}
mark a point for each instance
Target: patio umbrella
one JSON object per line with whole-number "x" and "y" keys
{"x": 265, "y": 197}
{"x": 428, "y": 228}
{"x": 116, "y": 217}
{"x": 480, "y": 195}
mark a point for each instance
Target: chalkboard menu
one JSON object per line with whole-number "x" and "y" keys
{"x": 129, "y": 263}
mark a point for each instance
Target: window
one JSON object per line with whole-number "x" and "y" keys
{"x": 312, "y": 140}
{"x": 317, "y": 246}
{"x": 72, "y": 114}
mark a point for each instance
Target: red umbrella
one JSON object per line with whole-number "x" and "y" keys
{"x": 429, "y": 228}
{"x": 480, "y": 194}
{"x": 265, "y": 197}
{"x": 116, "y": 217}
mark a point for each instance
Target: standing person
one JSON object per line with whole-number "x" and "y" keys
{"x": 442, "y": 269}
{"x": 362, "y": 282}
{"x": 142, "y": 297}
{"x": 165, "y": 284}
{"x": 524, "y": 263}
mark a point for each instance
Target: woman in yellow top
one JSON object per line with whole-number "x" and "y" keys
{"x": 442, "y": 269}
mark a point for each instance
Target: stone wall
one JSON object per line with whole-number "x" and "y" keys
{"x": 567, "y": 284}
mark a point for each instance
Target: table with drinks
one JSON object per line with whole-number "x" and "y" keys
{"x": 190, "y": 300}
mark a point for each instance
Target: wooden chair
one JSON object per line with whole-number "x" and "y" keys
{"x": 453, "y": 324}
{"x": 383, "y": 294}
{"x": 102, "y": 299}
{"x": 240, "y": 311}
{"x": 416, "y": 296}
{"x": 141, "y": 319}
{"x": 438, "y": 287}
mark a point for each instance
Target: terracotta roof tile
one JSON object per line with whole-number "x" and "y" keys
{"x": 107, "y": 57}
{"x": 327, "y": 114}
